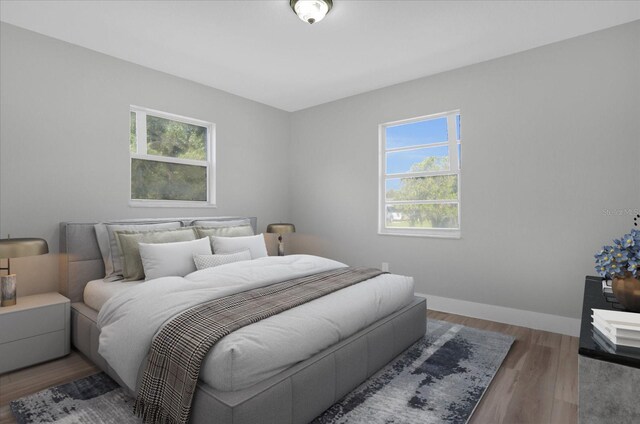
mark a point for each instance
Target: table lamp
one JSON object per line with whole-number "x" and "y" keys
{"x": 281, "y": 229}
{"x": 16, "y": 248}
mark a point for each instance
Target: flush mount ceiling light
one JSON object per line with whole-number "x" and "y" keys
{"x": 311, "y": 10}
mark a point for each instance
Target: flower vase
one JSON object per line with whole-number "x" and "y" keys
{"x": 627, "y": 291}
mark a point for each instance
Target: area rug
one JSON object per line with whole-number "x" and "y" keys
{"x": 440, "y": 379}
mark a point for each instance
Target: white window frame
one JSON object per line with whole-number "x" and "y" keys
{"x": 454, "y": 165}
{"x": 141, "y": 153}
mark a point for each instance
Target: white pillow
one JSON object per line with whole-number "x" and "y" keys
{"x": 209, "y": 261}
{"x": 171, "y": 259}
{"x": 233, "y": 244}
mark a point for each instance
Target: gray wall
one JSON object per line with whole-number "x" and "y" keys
{"x": 64, "y": 144}
{"x": 550, "y": 141}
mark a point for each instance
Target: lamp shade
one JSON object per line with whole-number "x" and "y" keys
{"x": 281, "y": 228}
{"x": 19, "y": 247}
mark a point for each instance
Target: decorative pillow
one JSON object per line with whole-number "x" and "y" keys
{"x": 229, "y": 231}
{"x": 209, "y": 261}
{"x": 255, "y": 244}
{"x": 128, "y": 245}
{"x": 108, "y": 243}
{"x": 171, "y": 259}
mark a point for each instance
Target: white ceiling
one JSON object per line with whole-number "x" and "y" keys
{"x": 260, "y": 50}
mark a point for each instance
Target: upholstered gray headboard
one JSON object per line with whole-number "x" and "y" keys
{"x": 80, "y": 258}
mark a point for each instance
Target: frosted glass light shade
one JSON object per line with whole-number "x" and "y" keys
{"x": 311, "y": 11}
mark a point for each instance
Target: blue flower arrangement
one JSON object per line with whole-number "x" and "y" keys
{"x": 621, "y": 260}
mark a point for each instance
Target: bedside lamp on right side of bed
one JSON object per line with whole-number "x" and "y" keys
{"x": 281, "y": 229}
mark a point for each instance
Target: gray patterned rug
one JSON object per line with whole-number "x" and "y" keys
{"x": 440, "y": 379}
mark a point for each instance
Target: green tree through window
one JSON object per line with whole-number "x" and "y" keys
{"x": 175, "y": 139}
{"x": 421, "y": 176}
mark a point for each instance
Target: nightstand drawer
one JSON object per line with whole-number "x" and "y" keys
{"x": 32, "y": 322}
{"x": 25, "y": 352}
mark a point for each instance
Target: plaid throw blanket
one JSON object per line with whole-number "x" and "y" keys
{"x": 170, "y": 378}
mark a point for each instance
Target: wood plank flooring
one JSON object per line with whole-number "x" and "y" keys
{"x": 30, "y": 380}
{"x": 537, "y": 383}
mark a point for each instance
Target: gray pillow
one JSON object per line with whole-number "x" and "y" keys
{"x": 230, "y": 231}
{"x": 108, "y": 243}
{"x": 128, "y": 245}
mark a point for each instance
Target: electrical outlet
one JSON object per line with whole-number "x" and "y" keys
{"x": 385, "y": 266}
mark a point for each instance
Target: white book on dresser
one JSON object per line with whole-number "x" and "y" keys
{"x": 621, "y": 328}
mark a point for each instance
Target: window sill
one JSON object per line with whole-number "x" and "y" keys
{"x": 446, "y": 234}
{"x": 169, "y": 204}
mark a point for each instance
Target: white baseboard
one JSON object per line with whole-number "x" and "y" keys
{"x": 535, "y": 320}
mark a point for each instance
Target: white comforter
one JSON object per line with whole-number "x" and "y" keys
{"x": 129, "y": 320}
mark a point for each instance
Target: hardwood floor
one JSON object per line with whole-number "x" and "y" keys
{"x": 537, "y": 383}
{"x": 22, "y": 382}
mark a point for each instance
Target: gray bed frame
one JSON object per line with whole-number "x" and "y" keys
{"x": 295, "y": 395}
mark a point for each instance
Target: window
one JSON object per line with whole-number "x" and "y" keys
{"x": 420, "y": 176}
{"x": 172, "y": 159}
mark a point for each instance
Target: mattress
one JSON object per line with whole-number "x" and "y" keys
{"x": 97, "y": 292}
{"x": 258, "y": 351}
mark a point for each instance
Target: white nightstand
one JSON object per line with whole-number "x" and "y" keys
{"x": 34, "y": 330}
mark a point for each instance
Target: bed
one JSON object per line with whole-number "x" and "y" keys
{"x": 295, "y": 394}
